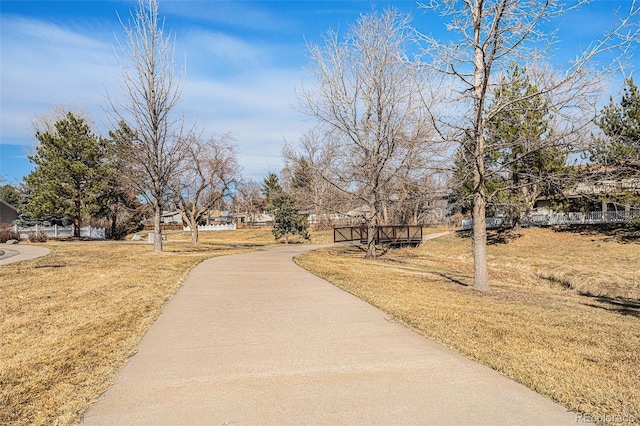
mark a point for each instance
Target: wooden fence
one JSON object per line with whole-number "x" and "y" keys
{"x": 219, "y": 227}
{"x": 390, "y": 235}
{"x": 165, "y": 227}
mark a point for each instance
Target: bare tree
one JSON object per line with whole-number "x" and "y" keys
{"x": 151, "y": 91}
{"x": 491, "y": 35}
{"x": 249, "y": 200}
{"x": 368, "y": 106}
{"x": 302, "y": 178}
{"x": 209, "y": 173}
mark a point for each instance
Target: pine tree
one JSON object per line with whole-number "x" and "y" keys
{"x": 287, "y": 220}
{"x": 621, "y": 124}
{"x": 9, "y": 194}
{"x": 522, "y": 164}
{"x": 271, "y": 189}
{"x": 70, "y": 173}
{"x": 619, "y": 151}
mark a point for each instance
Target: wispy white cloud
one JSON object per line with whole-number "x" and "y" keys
{"x": 45, "y": 65}
{"x": 232, "y": 86}
{"x": 256, "y": 109}
{"x": 208, "y": 52}
{"x": 250, "y": 15}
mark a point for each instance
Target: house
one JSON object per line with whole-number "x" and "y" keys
{"x": 252, "y": 219}
{"x": 168, "y": 220}
{"x": 8, "y": 213}
{"x": 171, "y": 218}
{"x": 219, "y": 217}
{"x": 600, "y": 195}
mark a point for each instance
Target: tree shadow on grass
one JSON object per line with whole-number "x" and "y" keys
{"x": 494, "y": 237}
{"x": 620, "y": 306}
{"x": 451, "y": 279}
{"x": 618, "y": 232}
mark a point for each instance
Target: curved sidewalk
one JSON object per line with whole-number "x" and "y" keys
{"x": 17, "y": 253}
{"x": 254, "y": 339}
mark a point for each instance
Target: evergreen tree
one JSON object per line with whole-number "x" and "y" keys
{"x": 271, "y": 189}
{"x": 287, "y": 220}
{"x": 10, "y": 195}
{"x": 619, "y": 151}
{"x": 461, "y": 196}
{"x": 621, "y": 125}
{"x": 70, "y": 173}
{"x": 522, "y": 164}
{"x": 303, "y": 176}
{"x": 118, "y": 203}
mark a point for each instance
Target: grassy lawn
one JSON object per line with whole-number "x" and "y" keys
{"x": 70, "y": 320}
{"x": 246, "y": 237}
{"x": 562, "y": 315}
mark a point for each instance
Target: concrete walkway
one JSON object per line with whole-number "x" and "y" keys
{"x": 11, "y": 253}
{"x": 254, "y": 339}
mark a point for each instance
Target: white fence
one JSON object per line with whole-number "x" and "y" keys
{"x": 581, "y": 218}
{"x": 572, "y": 218}
{"x": 229, "y": 227}
{"x": 55, "y": 231}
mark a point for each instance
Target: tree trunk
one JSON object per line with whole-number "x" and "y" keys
{"x": 480, "y": 76}
{"x": 480, "y": 275}
{"x": 372, "y": 224}
{"x": 195, "y": 236}
{"x": 157, "y": 228}
{"x": 77, "y": 220}
{"x": 114, "y": 221}
{"x": 371, "y": 241}
{"x": 385, "y": 214}
{"x": 76, "y": 227}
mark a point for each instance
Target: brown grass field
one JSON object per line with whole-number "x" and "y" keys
{"x": 248, "y": 237}
{"x": 562, "y": 315}
{"x": 70, "y": 320}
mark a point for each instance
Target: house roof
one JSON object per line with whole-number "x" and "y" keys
{"x": 8, "y": 205}
{"x": 8, "y": 213}
{"x": 171, "y": 213}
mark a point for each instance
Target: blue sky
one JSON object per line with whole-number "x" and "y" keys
{"x": 244, "y": 60}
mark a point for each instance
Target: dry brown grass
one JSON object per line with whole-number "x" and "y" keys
{"x": 247, "y": 237}
{"x": 70, "y": 320}
{"x": 535, "y": 325}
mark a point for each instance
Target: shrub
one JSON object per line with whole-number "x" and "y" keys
{"x": 7, "y": 233}
{"x": 38, "y": 237}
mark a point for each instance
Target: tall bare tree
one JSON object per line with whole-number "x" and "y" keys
{"x": 367, "y": 102}
{"x": 209, "y": 173}
{"x": 488, "y": 37}
{"x": 151, "y": 91}
{"x": 249, "y": 200}
{"x": 302, "y": 178}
